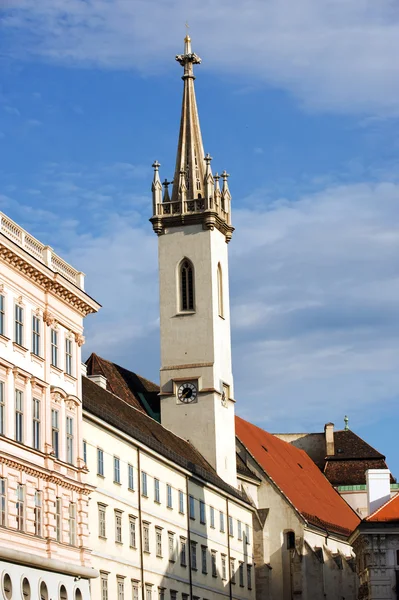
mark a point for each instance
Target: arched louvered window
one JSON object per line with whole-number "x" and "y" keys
{"x": 186, "y": 285}
{"x": 220, "y": 291}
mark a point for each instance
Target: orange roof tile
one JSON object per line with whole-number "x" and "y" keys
{"x": 387, "y": 513}
{"x": 300, "y": 480}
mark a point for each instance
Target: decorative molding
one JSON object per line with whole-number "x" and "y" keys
{"x": 48, "y": 318}
{"x": 79, "y": 339}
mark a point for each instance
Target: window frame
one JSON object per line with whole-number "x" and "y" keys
{"x": 102, "y": 521}
{"x": 157, "y": 492}
{"x": 69, "y": 436}
{"x": 219, "y": 278}
{"x": 54, "y": 347}
{"x": 38, "y": 513}
{"x": 130, "y": 476}
{"x": 169, "y": 496}
{"x": 36, "y": 335}
{"x": 19, "y": 324}
{"x": 20, "y": 507}
{"x": 72, "y": 513}
{"x": 2, "y": 407}
{"x": 144, "y": 484}
{"x": 58, "y": 519}
{"x": 158, "y": 542}
{"x": 117, "y": 470}
{"x": 3, "y": 502}
{"x": 55, "y": 431}
{"x": 186, "y": 286}
{"x": 100, "y": 462}
{"x": 132, "y": 531}
{"x": 3, "y": 320}
{"x": 146, "y": 537}
{"x": 19, "y": 416}
{"x": 69, "y": 356}
{"x": 36, "y": 423}
{"x": 118, "y": 526}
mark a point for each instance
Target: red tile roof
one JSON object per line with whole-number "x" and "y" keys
{"x": 387, "y": 513}
{"x": 300, "y": 480}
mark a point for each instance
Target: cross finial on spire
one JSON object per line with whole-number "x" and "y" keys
{"x": 156, "y": 165}
{"x": 346, "y": 420}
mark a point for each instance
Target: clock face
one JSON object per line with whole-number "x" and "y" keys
{"x": 187, "y": 393}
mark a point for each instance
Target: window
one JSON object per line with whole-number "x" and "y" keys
{"x": 20, "y": 507}
{"x": 118, "y": 526}
{"x": 220, "y": 291}
{"x": 19, "y": 325}
{"x": 104, "y": 586}
{"x": 221, "y": 515}
{"x": 55, "y": 432}
{"x": 2, "y": 409}
{"x": 58, "y": 519}
{"x": 2, "y": 315}
{"x": 148, "y": 592}
{"x": 85, "y": 452}
{"x": 102, "y": 527}
{"x": 171, "y": 546}
{"x": 19, "y": 416}
{"x": 212, "y": 515}
{"x": 186, "y": 285}
{"x": 181, "y": 502}
{"x": 214, "y": 566}
{"x": 54, "y": 348}
{"x": 161, "y": 593}
{"x": 183, "y": 552}
{"x": 35, "y": 335}
{"x": 36, "y": 423}
{"x": 120, "y": 585}
{"x": 117, "y": 470}
{"x": 72, "y": 523}
{"x": 224, "y": 566}
{"x": 204, "y": 556}
{"x": 202, "y": 512}
{"x": 249, "y": 577}
{"x": 157, "y": 495}
{"x": 239, "y": 530}
{"x": 173, "y": 595}
{"x": 100, "y": 462}
{"x": 231, "y": 526}
{"x": 135, "y": 590}
{"x": 146, "y": 537}
{"x": 68, "y": 356}
{"x": 3, "y": 502}
{"x": 130, "y": 477}
{"x": 247, "y": 534}
{"x": 193, "y": 547}
{"x": 69, "y": 439}
{"x": 132, "y": 531}
{"x": 192, "y": 507}
{"x": 38, "y": 513}
{"x": 144, "y": 490}
{"x": 241, "y": 573}
{"x": 290, "y": 540}
{"x": 158, "y": 539}
{"x": 232, "y": 570}
{"x": 169, "y": 495}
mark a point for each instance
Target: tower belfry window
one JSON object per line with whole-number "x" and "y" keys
{"x": 220, "y": 291}
{"x": 186, "y": 285}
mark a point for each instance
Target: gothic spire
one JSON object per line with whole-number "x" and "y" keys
{"x": 190, "y": 160}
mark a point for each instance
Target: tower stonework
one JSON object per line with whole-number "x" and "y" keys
{"x": 193, "y": 225}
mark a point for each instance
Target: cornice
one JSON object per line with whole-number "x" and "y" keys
{"x": 208, "y": 219}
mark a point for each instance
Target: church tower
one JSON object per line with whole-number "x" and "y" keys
{"x": 193, "y": 225}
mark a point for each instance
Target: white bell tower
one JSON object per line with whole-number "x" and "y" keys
{"x": 193, "y": 228}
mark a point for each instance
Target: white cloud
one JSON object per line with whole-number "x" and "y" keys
{"x": 339, "y": 56}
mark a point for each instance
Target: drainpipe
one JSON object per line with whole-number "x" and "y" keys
{"x": 140, "y": 526}
{"x": 228, "y": 549}
{"x": 190, "y": 574}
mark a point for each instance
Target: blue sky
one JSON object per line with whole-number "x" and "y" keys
{"x": 298, "y": 101}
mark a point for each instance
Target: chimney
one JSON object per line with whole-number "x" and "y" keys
{"x": 83, "y": 369}
{"x": 329, "y": 434}
{"x": 99, "y": 380}
{"x": 378, "y": 488}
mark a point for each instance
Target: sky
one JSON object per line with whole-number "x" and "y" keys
{"x": 298, "y": 101}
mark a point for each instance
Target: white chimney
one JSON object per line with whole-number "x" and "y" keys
{"x": 378, "y": 488}
{"x": 329, "y": 434}
{"x": 99, "y": 380}
{"x": 83, "y": 369}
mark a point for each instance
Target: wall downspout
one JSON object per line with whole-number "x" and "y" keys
{"x": 140, "y": 525}
{"x": 190, "y": 574}
{"x": 228, "y": 549}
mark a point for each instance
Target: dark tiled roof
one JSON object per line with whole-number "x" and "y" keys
{"x": 300, "y": 480}
{"x": 140, "y": 393}
{"x": 138, "y": 425}
{"x": 348, "y": 445}
{"x": 243, "y": 469}
{"x": 351, "y": 472}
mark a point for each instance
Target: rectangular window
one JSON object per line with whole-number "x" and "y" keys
{"x": 214, "y": 565}
{"x": 239, "y": 530}
{"x": 157, "y": 495}
{"x": 69, "y": 439}
{"x": 183, "y": 552}
{"x": 192, "y": 507}
{"x": 231, "y": 526}
{"x": 232, "y": 570}
{"x": 36, "y": 423}
{"x": 212, "y": 515}
{"x": 118, "y": 526}
{"x": 2, "y": 409}
{"x": 173, "y": 595}
{"x": 2, "y": 315}
{"x": 221, "y": 516}
{"x": 132, "y": 531}
{"x": 241, "y": 573}
{"x": 19, "y": 325}
{"x": 104, "y": 586}
{"x": 249, "y": 577}
{"x": 202, "y": 512}
{"x": 72, "y": 524}
{"x": 169, "y": 495}
{"x": 224, "y": 566}
{"x": 20, "y": 505}
{"x": 247, "y": 534}
{"x": 102, "y": 527}
{"x": 158, "y": 539}
{"x": 38, "y": 513}
{"x": 85, "y": 452}
{"x": 68, "y": 356}
{"x": 135, "y": 590}
{"x": 58, "y": 520}
{"x": 55, "y": 432}
{"x": 161, "y": 593}
{"x": 120, "y": 584}
{"x": 19, "y": 416}
{"x": 204, "y": 557}
{"x": 35, "y": 335}
{"x": 146, "y": 537}
{"x": 117, "y": 470}
{"x": 171, "y": 546}
{"x": 193, "y": 549}
{"x": 144, "y": 490}
{"x": 100, "y": 462}
{"x": 181, "y": 502}
{"x": 130, "y": 477}
{"x": 3, "y": 502}
{"x": 148, "y": 592}
{"x": 54, "y": 348}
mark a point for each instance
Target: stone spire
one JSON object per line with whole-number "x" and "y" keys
{"x": 190, "y": 160}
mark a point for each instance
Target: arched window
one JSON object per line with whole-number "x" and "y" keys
{"x": 220, "y": 291}
{"x": 186, "y": 285}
